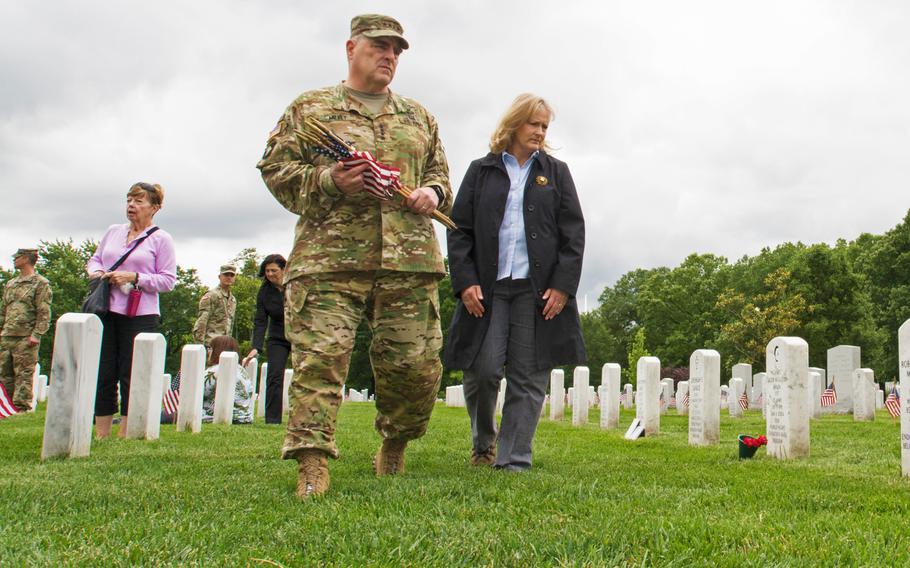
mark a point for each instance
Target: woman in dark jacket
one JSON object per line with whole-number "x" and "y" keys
{"x": 515, "y": 262}
{"x": 270, "y": 313}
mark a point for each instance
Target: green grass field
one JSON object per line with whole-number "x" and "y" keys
{"x": 224, "y": 498}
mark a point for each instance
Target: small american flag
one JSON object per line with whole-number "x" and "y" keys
{"x": 379, "y": 179}
{"x": 744, "y": 401}
{"x": 6, "y": 405}
{"x": 893, "y": 403}
{"x": 171, "y": 399}
{"x": 829, "y": 397}
{"x": 686, "y": 401}
{"x": 760, "y": 400}
{"x": 622, "y": 397}
{"x": 661, "y": 400}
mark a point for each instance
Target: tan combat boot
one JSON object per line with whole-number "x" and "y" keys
{"x": 390, "y": 459}
{"x": 313, "y": 474}
{"x": 486, "y": 457}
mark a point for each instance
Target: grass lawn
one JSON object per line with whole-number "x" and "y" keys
{"x": 224, "y": 498}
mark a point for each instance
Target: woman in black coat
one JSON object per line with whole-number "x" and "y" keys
{"x": 515, "y": 261}
{"x": 270, "y": 314}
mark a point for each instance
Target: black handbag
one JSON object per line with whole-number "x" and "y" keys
{"x": 98, "y": 300}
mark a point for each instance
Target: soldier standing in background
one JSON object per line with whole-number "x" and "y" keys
{"x": 25, "y": 316}
{"x": 216, "y": 309}
{"x": 356, "y": 257}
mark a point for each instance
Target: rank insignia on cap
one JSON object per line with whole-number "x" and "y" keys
{"x": 541, "y": 180}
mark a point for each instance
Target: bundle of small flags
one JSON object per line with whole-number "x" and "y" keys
{"x": 744, "y": 401}
{"x": 171, "y": 399}
{"x": 380, "y": 180}
{"x": 829, "y": 397}
{"x": 893, "y": 403}
{"x": 6, "y": 405}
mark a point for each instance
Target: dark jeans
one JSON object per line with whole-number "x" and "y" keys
{"x": 509, "y": 343}
{"x": 117, "y": 359}
{"x": 277, "y": 352}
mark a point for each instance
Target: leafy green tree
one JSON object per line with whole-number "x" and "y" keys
{"x": 637, "y": 350}
{"x": 754, "y": 322}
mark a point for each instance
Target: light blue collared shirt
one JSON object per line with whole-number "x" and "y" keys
{"x": 513, "y": 245}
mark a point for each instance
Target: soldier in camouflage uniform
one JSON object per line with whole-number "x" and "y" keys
{"x": 355, "y": 256}
{"x": 25, "y": 315}
{"x": 216, "y": 309}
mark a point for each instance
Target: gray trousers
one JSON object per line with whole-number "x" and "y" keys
{"x": 509, "y": 344}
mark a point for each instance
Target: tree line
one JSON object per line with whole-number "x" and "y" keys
{"x": 855, "y": 293}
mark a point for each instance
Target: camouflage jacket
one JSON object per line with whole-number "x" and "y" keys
{"x": 26, "y": 307}
{"x": 338, "y": 232}
{"x": 216, "y": 315}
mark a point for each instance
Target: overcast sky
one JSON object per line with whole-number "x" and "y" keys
{"x": 689, "y": 126}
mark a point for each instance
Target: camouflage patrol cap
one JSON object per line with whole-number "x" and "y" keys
{"x": 228, "y": 269}
{"x": 32, "y": 254}
{"x": 377, "y": 25}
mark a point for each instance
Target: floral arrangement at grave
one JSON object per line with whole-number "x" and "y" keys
{"x": 751, "y": 442}
{"x": 749, "y": 445}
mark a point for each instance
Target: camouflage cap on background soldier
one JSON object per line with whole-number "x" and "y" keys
{"x": 29, "y": 252}
{"x": 377, "y": 25}
{"x": 228, "y": 269}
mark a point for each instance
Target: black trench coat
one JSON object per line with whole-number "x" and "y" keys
{"x": 555, "y": 233}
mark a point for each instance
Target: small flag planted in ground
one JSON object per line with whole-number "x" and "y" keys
{"x": 829, "y": 397}
{"x": 6, "y": 405}
{"x": 686, "y": 401}
{"x": 622, "y": 397}
{"x": 744, "y": 402}
{"x": 893, "y": 403}
{"x": 171, "y": 399}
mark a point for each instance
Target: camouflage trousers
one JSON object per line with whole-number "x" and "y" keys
{"x": 17, "y": 370}
{"x": 322, "y": 313}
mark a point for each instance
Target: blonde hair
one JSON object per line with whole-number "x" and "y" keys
{"x": 154, "y": 192}
{"x": 519, "y": 112}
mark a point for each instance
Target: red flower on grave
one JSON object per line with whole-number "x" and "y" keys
{"x": 754, "y": 442}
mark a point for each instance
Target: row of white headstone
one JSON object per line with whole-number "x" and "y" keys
{"x": 74, "y": 378}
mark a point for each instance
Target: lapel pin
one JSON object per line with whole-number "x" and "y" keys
{"x": 541, "y": 180}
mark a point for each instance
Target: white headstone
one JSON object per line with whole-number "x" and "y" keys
{"x": 36, "y": 386}
{"x": 629, "y": 401}
{"x": 145, "y": 386}
{"x": 787, "y": 364}
{"x": 557, "y": 394}
{"x": 903, "y": 376}
{"x": 864, "y": 395}
{"x": 737, "y": 388}
{"x": 192, "y": 377}
{"x": 758, "y": 382}
{"x": 501, "y": 395}
{"x": 843, "y": 360}
{"x": 648, "y": 373}
{"x": 724, "y": 396}
{"x": 704, "y": 397}
{"x": 74, "y": 374}
{"x": 42, "y": 385}
{"x": 666, "y": 391}
{"x": 364, "y": 393}
{"x": 454, "y": 395}
{"x": 285, "y": 398}
{"x": 744, "y": 372}
{"x": 263, "y": 382}
{"x": 225, "y": 385}
{"x": 355, "y": 396}
{"x": 812, "y": 403}
{"x": 592, "y": 396}
{"x": 252, "y": 366}
{"x": 581, "y": 379}
{"x": 609, "y": 395}
{"x": 570, "y": 397}
{"x": 879, "y": 399}
{"x": 682, "y": 407}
